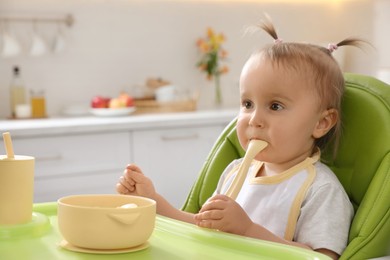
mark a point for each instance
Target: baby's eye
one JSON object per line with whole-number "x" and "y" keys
{"x": 276, "y": 106}
{"x": 247, "y": 104}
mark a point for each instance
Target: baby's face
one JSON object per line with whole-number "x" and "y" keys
{"x": 280, "y": 107}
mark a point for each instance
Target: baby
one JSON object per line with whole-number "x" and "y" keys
{"x": 290, "y": 97}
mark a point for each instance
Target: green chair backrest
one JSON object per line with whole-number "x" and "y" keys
{"x": 362, "y": 165}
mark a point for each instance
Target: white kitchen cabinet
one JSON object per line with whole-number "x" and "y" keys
{"x": 75, "y": 163}
{"x": 51, "y": 189}
{"x": 88, "y": 154}
{"x": 172, "y": 158}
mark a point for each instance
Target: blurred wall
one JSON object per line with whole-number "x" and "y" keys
{"x": 116, "y": 44}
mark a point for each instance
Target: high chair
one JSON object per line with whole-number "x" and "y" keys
{"x": 362, "y": 165}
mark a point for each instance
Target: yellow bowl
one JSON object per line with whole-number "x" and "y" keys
{"x": 98, "y": 222}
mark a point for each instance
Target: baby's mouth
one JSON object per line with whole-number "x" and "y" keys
{"x": 255, "y": 138}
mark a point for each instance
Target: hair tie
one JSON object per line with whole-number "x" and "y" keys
{"x": 332, "y": 47}
{"x": 276, "y": 41}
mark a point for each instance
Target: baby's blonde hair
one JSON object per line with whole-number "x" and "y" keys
{"x": 323, "y": 70}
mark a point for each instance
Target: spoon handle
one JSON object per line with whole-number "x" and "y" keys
{"x": 255, "y": 146}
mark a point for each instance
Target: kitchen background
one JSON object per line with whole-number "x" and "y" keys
{"x": 115, "y": 45}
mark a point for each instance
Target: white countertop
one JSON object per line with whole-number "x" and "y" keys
{"x": 62, "y": 125}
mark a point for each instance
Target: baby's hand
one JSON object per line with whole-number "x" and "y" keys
{"x": 225, "y": 214}
{"x": 134, "y": 182}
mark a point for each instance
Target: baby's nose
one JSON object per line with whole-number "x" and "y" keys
{"x": 256, "y": 120}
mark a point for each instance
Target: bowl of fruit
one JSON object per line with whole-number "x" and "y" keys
{"x": 105, "y": 106}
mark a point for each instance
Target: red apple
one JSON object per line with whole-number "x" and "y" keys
{"x": 100, "y": 102}
{"x": 126, "y": 100}
{"x": 106, "y": 101}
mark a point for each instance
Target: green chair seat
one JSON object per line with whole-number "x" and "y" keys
{"x": 362, "y": 165}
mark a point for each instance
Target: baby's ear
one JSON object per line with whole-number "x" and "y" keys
{"x": 327, "y": 120}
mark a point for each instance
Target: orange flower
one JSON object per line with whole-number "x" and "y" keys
{"x": 210, "y": 32}
{"x": 224, "y": 53}
{"x": 224, "y": 69}
{"x": 199, "y": 42}
{"x": 202, "y": 66}
{"x": 212, "y": 53}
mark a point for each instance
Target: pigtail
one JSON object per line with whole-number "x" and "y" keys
{"x": 357, "y": 42}
{"x": 269, "y": 28}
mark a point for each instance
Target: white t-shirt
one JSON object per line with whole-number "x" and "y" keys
{"x": 306, "y": 203}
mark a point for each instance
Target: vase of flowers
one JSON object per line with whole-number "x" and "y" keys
{"x": 212, "y": 55}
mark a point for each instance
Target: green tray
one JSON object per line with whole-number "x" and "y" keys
{"x": 170, "y": 240}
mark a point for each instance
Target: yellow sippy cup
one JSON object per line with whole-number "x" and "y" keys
{"x": 16, "y": 186}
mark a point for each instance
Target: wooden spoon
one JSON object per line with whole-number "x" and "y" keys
{"x": 255, "y": 146}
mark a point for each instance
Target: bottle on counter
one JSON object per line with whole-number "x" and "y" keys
{"x": 18, "y": 98}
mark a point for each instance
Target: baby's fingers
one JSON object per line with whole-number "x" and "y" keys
{"x": 212, "y": 224}
{"x": 134, "y": 177}
{"x": 127, "y": 177}
{"x": 121, "y": 189}
{"x": 209, "y": 219}
{"x": 129, "y": 184}
{"x": 211, "y": 205}
{"x": 209, "y": 215}
{"x": 134, "y": 168}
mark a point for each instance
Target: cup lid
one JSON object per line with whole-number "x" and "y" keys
{"x": 16, "y": 158}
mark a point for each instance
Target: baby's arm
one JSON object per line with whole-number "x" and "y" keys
{"x": 225, "y": 214}
{"x": 134, "y": 182}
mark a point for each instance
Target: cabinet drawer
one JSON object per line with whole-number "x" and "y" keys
{"x": 51, "y": 189}
{"x": 76, "y": 154}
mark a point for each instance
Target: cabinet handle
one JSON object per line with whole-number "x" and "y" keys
{"x": 182, "y": 137}
{"x": 57, "y": 157}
